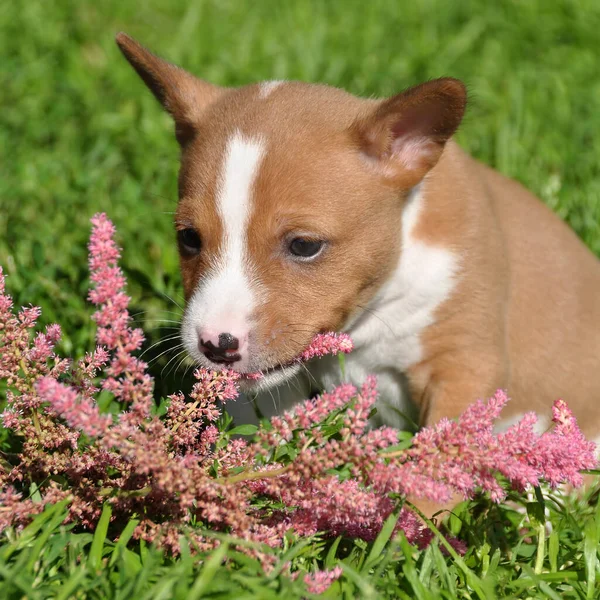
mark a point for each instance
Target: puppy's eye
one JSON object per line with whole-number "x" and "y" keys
{"x": 303, "y": 248}
{"x": 189, "y": 242}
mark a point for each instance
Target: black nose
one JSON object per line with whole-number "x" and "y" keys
{"x": 224, "y": 352}
{"x": 228, "y": 342}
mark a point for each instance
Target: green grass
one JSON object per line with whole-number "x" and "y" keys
{"x": 80, "y": 134}
{"x": 49, "y": 560}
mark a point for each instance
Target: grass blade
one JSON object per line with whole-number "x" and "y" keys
{"x": 123, "y": 540}
{"x": 208, "y": 571}
{"x": 380, "y": 541}
{"x": 95, "y": 557}
{"x": 590, "y": 548}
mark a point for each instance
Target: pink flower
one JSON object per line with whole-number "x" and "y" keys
{"x": 322, "y": 344}
{"x": 320, "y": 581}
{"x": 80, "y": 413}
{"x": 127, "y": 379}
{"x": 327, "y": 343}
{"x": 321, "y": 465}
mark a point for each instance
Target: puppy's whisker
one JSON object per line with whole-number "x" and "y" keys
{"x": 191, "y": 365}
{"x": 375, "y": 313}
{"x": 171, "y": 299}
{"x": 161, "y": 341}
{"x": 162, "y": 373}
{"x": 162, "y": 310}
{"x": 172, "y": 349}
{"x": 310, "y": 375}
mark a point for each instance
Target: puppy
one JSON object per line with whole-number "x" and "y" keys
{"x": 304, "y": 209}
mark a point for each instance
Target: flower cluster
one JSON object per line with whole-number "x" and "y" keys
{"x": 126, "y": 376}
{"x": 321, "y": 465}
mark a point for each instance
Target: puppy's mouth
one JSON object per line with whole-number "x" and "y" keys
{"x": 268, "y": 378}
{"x": 256, "y": 376}
{"x": 322, "y": 344}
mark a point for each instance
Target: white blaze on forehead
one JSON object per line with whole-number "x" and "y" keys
{"x": 226, "y": 297}
{"x": 242, "y": 160}
{"x": 266, "y": 87}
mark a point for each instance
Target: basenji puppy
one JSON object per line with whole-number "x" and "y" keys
{"x": 304, "y": 209}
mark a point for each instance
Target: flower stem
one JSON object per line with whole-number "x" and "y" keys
{"x": 36, "y": 423}
{"x": 250, "y": 476}
{"x": 187, "y": 414}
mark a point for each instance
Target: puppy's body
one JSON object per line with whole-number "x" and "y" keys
{"x": 519, "y": 308}
{"x": 492, "y": 291}
{"x": 303, "y": 209}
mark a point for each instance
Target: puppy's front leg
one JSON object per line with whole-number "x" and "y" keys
{"x": 446, "y": 390}
{"x": 446, "y": 387}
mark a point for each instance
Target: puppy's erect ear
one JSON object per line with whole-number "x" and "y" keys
{"x": 184, "y": 96}
{"x": 405, "y": 134}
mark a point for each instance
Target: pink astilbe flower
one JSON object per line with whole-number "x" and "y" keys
{"x": 320, "y": 465}
{"x": 14, "y": 508}
{"x": 462, "y": 456}
{"x": 327, "y": 343}
{"x": 213, "y": 386}
{"x": 43, "y": 345}
{"x": 446, "y": 459}
{"x": 127, "y": 378}
{"x": 339, "y": 508}
{"x": 320, "y": 581}
{"x": 561, "y": 453}
{"x": 80, "y": 413}
{"x": 323, "y": 344}
{"x": 306, "y": 414}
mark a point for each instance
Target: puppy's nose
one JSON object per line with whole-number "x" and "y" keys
{"x": 228, "y": 342}
{"x": 223, "y": 351}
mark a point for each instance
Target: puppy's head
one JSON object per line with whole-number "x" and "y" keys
{"x": 290, "y": 204}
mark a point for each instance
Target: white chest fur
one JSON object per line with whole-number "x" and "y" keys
{"x": 387, "y": 336}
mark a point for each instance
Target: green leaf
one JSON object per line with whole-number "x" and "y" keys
{"x": 124, "y": 538}
{"x": 419, "y": 591}
{"x": 28, "y": 534}
{"x": 247, "y": 429}
{"x": 380, "y": 541}
{"x": 590, "y": 549}
{"x": 59, "y": 514}
{"x": 330, "y": 559}
{"x": 281, "y": 451}
{"x": 553, "y": 547}
{"x": 292, "y": 553}
{"x": 68, "y": 588}
{"x": 34, "y": 493}
{"x": 535, "y": 512}
{"x": 539, "y": 496}
{"x": 367, "y": 591}
{"x": 208, "y": 571}
{"x": 132, "y": 563}
{"x": 95, "y": 557}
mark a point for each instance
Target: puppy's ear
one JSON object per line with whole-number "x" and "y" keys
{"x": 184, "y": 96}
{"x": 405, "y": 134}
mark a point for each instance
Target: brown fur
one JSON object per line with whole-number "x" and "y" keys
{"x": 524, "y": 315}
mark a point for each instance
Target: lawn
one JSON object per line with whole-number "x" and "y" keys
{"x": 80, "y": 134}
